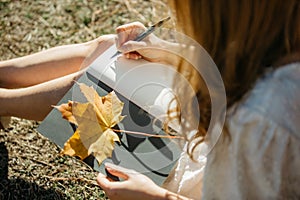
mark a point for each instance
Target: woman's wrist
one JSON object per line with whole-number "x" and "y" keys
{"x": 96, "y": 47}
{"x": 99, "y": 44}
{"x": 159, "y": 194}
{"x": 163, "y": 194}
{"x": 170, "y": 54}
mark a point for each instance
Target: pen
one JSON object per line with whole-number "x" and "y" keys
{"x": 150, "y": 30}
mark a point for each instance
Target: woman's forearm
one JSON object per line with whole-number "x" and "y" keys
{"x": 52, "y": 63}
{"x": 42, "y": 66}
{"x": 35, "y": 102}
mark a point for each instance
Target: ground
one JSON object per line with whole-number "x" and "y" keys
{"x": 31, "y": 166}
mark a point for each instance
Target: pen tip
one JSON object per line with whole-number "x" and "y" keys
{"x": 162, "y": 21}
{"x": 166, "y": 19}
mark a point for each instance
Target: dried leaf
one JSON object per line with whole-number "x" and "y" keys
{"x": 74, "y": 147}
{"x": 66, "y": 111}
{"x": 94, "y": 119}
{"x": 104, "y": 146}
{"x": 108, "y": 108}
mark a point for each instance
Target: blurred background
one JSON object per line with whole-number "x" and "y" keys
{"x": 30, "y": 165}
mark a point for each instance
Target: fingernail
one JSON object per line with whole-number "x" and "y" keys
{"x": 108, "y": 168}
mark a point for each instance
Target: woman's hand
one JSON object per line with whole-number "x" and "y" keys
{"x": 134, "y": 186}
{"x": 151, "y": 48}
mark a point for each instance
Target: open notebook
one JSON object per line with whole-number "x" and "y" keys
{"x": 145, "y": 90}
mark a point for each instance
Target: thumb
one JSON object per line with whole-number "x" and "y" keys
{"x": 103, "y": 182}
{"x": 119, "y": 171}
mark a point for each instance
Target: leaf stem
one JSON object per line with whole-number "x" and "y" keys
{"x": 148, "y": 134}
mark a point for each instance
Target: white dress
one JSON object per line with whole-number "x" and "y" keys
{"x": 260, "y": 157}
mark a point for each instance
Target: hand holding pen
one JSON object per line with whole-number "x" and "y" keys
{"x": 131, "y": 33}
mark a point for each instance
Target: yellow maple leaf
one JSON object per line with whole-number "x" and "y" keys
{"x": 66, "y": 111}
{"x": 74, "y": 147}
{"x": 94, "y": 120}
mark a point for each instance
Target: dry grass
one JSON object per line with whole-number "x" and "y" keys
{"x": 30, "y": 165}
{"x": 31, "y": 26}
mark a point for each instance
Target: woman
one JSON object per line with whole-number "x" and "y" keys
{"x": 29, "y": 85}
{"x": 256, "y": 46}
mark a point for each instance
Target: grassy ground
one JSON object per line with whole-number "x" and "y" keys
{"x": 30, "y": 165}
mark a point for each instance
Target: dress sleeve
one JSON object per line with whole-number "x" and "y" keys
{"x": 255, "y": 158}
{"x": 186, "y": 177}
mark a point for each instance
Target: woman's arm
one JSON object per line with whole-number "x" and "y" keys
{"x": 52, "y": 63}
{"x": 36, "y": 101}
{"x": 134, "y": 186}
{"x": 31, "y": 84}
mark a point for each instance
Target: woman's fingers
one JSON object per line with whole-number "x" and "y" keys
{"x": 130, "y": 26}
{"x": 133, "y": 55}
{"x": 128, "y": 32}
{"x": 103, "y": 182}
{"x": 130, "y": 46}
{"x": 119, "y": 171}
{"x": 151, "y": 48}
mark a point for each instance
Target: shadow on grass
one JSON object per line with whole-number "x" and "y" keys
{"x": 19, "y": 188}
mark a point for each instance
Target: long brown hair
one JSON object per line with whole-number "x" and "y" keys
{"x": 243, "y": 37}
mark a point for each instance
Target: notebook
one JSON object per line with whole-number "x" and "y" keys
{"x": 145, "y": 89}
